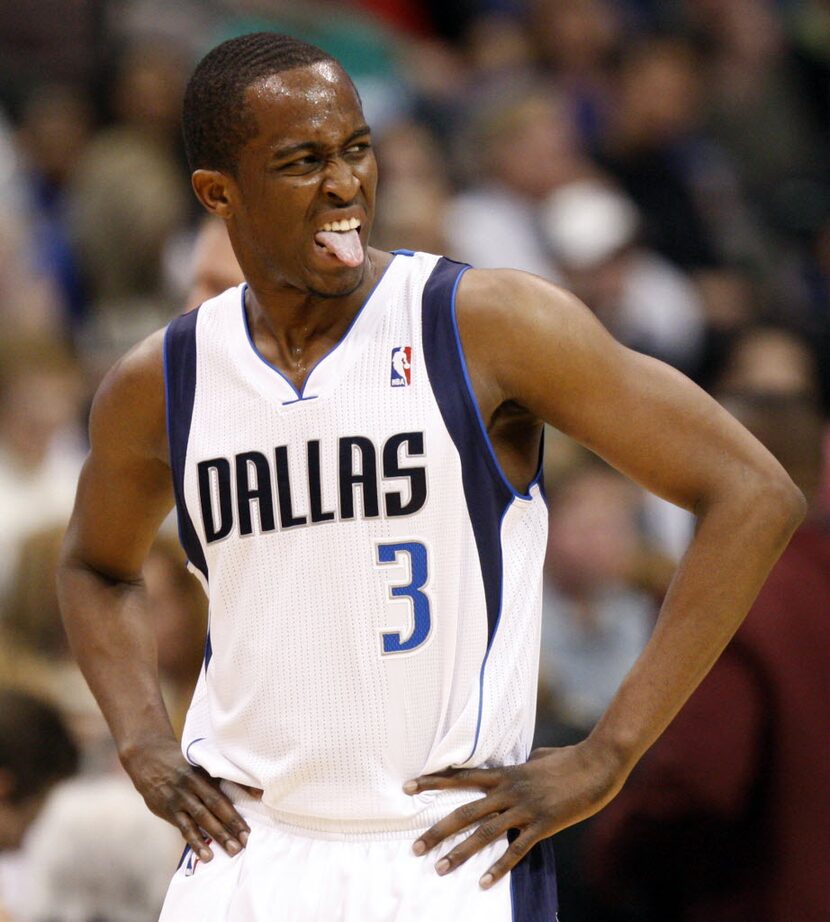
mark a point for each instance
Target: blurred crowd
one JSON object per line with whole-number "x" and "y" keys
{"x": 666, "y": 160}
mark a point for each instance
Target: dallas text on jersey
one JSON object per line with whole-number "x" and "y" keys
{"x": 255, "y": 474}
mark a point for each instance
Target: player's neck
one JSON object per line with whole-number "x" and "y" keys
{"x": 292, "y": 328}
{"x": 307, "y": 313}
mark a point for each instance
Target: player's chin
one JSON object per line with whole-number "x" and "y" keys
{"x": 338, "y": 282}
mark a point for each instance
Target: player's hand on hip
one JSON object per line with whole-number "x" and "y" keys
{"x": 554, "y": 789}
{"x": 186, "y": 796}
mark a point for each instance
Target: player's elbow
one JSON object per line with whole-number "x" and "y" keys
{"x": 793, "y": 502}
{"x": 774, "y": 497}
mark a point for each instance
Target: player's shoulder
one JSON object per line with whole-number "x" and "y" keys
{"x": 129, "y": 405}
{"x": 139, "y": 372}
{"x": 500, "y": 304}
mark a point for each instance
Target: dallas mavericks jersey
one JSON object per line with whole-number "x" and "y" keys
{"x": 374, "y": 580}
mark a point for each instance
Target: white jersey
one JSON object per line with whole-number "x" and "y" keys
{"x": 374, "y": 580}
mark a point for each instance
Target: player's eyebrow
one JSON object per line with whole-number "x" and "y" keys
{"x": 313, "y": 145}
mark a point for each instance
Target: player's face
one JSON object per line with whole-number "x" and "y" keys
{"x": 311, "y": 163}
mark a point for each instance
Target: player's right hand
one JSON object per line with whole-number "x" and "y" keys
{"x": 186, "y": 796}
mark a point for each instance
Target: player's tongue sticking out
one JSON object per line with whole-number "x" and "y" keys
{"x": 345, "y": 245}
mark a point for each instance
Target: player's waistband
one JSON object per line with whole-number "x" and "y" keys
{"x": 435, "y": 806}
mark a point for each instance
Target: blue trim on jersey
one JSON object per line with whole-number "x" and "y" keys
{"x": 184, "y": 855}
{"x": 490, "y": 638}
{"x": 187, "y": 848}
{"x": 187, "y": 751}
{"x": 485, "y": 492}
{"x": 301, "y": 392}
{"x": 403, "y": 252}
{"x": 469, "y": 384}
{"x": 180, "y": 393}
{"x": 533, "y": 891}
{"x": 539, "y": 479}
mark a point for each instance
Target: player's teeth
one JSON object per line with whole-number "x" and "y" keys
{"x": 341, "y": 226}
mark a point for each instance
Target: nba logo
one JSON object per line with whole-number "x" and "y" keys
{"x": 401, "y": 366}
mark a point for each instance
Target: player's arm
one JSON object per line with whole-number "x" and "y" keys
{"x": 124, "y": 493}
{"x": 530, "y": 343}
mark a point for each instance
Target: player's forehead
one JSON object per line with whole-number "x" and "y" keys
{"x": 314, "y": 104}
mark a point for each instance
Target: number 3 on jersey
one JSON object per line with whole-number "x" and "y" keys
{"x": 416, "y": 555}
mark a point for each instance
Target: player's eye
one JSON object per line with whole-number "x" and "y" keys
{"x": 299, "y": 164}
{"x": 308, "y": 160}
{"x": 358, "y": 148}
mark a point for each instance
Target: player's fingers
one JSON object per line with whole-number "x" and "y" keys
{"x": 454, "y": 822}
{"x": 221, "y": 807}
{"x": 192, "y": 835}
{"x": 205, "y": 820}
{"x": 479, "y": 779}
{"x": 517, "y": 849}
{"x": 487, "y": 832}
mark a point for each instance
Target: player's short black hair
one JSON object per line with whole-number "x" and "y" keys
{"x": 215, "y": 120}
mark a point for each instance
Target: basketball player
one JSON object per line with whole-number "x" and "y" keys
{"x": 352, "y": 440}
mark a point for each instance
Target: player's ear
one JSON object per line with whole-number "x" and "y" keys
{"x": 213, "y": 189}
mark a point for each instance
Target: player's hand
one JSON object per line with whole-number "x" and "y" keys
{"x": 187, "y": 797}
{"x": 554, "y": 789}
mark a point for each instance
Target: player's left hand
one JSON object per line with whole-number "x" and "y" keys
{"x": 554, "y": 789}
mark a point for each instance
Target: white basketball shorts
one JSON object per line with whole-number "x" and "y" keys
{"x": 291, "y": 874}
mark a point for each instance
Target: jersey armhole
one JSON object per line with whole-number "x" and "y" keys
{"x": 473, "y": 401}
{"x": 180, "y": 394}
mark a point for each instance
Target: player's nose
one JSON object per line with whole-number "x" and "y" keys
{"x": 341, "y": 182}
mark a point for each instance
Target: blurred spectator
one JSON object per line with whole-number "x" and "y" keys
{"x": 645, "y": 301}
{"x": 809, "y": 29}
{"x": 776, "y": 361}
{"x": 36, "y": 752}
{"x": 97, "y": 853}
{"x": 727, "y": 818}
{"x": 411, "y": 212}
{"x": 733, "y": 299}
{"x": 366, "y": 47}
{"x": 753, "y": 94}
{"x": 581, "y": 42}
{"x": 32, "y": 630}
{"x": 814, "y": 280}
{"x": 684, "y": 185}
{"x": 521, "y": 145}
{"x": 55, "y": 126}
{"x": 602, "y": 588}
{"x": 770, "y": 360}
{"x": 128, "y": 195}
{"x": 178, "y": 607}
{"x": 41, "y": 444}
{"x": 497, "y": 46}
{"x": 29, "y": 303}
{"x": 51, "y": 40}
{"x": 213, "y": 265}
{"x": 594, "y": 623}
{"x": 31, "y": 626}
